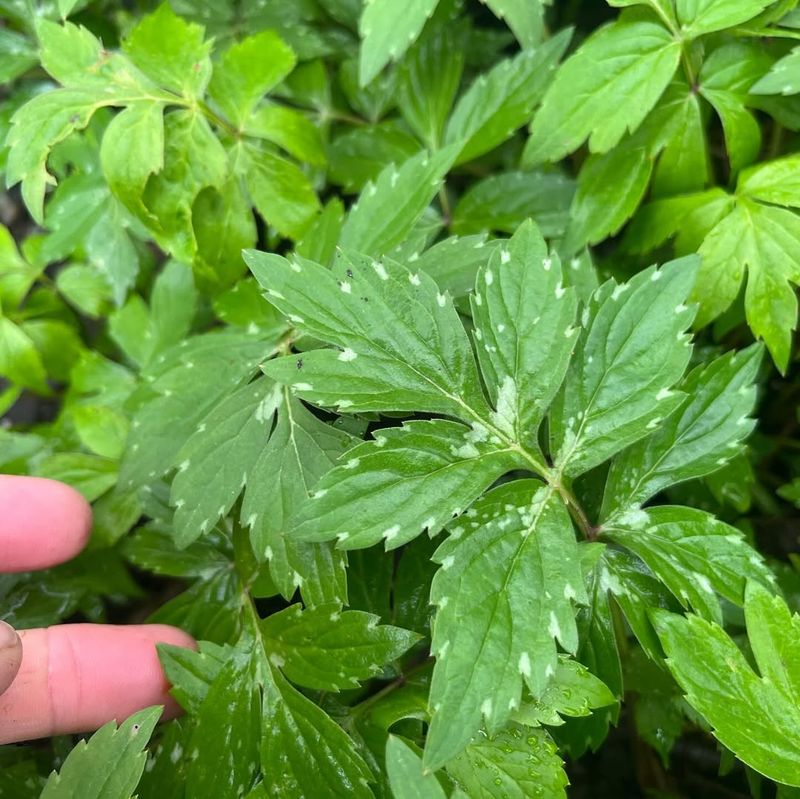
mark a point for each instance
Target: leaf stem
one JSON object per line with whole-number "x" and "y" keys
{"x": 576, "y": 512}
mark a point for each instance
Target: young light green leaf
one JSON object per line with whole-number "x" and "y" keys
{"x": 406, "y": 776}
{"x": 515, "y": 763}
{"x": 300, "y": 450}
{"x": 133, "y": 149}
{"x": 304, "y": 752}
{"x": 213, "y": 465}
{"x": 698, "y": 17}
{"x": 697, "y": 439}
{"x": 626, "y": 66}
{"x": 620, "y": 382}
{"x": 109, "y": 765}
{"x": 20, "y": 362}
{"x": 279, "y": 189}
{"x": 695, "y": 555}
{"x": 194, "y": 159}
{"x": 401, "y": 343}
{"x": 524, "y": 17}
{"x": 290, "y": 129}
{"x": 331, "y": 650}
{"x": 509, "y": 574}
{"x": 750, "y": 714}
{"x": 387, "y": 30}
{"x": 783, "y": 77}
{"x": 170, "y": 51}
{"x": 764, "y": 241}
{"x": 377, "y": 222}
{"x": 573, "y": 691}
{"x": 502, "y": 100}
{"x": 524, "y": 331}
{"x": 246, "y": 71}
{"x": 503, "y": 201}
{"x": 391, "y": 489}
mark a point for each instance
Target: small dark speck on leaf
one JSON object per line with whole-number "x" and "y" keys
{"x": 299, "y": 363}
{"x": 349, "y": 273}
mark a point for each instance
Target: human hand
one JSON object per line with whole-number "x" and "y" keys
{"x": 73, "y": 677}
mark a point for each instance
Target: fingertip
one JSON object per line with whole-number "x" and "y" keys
{"x": 44, "y": 523}
{"x": 76, "y": 677}
{"x": 10, "y": 655}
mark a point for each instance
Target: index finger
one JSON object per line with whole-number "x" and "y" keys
{"x": 42, "y": 523}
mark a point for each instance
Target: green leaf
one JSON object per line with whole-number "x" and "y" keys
{"x": 516, "y": 763}
{"x": 101, "y": 429}
{"x": 170, "y": 51}
{"x": 110, "y": 764}
{"x": 774, "y": 182}
{"x": 620, "y": 382}
{"x": 279, "y": 189}
{"x": 377, "y": 222}
{"x": 20, "y": 361}
{"x": 223, "y": 748}
{"x": 85, "y": 288}
{"x": 300, "y": 450}
{"x": 704, "y": 433}
{"x": 430, "y": 76}
{"x": 17, "y": 55}
{"x": 421, "y": 359}
{"x": 188, "y": 383}
{"x": 502, "y": 100}
{"x": 289, "y": 129}
{"x": 214, "y": 463}
{"x": 509, "y": 575}
{"x": 625, "y": 66}
{"x": 524, "y": 17}
{"x": 783, "y": 77}
{"x": 331, "y": 650}
{"x": 193, "y": 160}
{"x": 16, "y": 274}
{"x": 360, "y": 155}
{"x": 387, "y": 30}
{"x": 610, "y": 188}
{"x": 406, "y": 776}
{"x": 573, "y": 691}
{"x": 391, "y": 489}
{"x": 454, "y": 262}
{"x": 698, "y": 17}
{"x": 524, "y": 331}
{"x": 246, "y": 71}
{"x": 505, "y": 200}
{"x": 692, "y": 553}
{"x": 765, "y": 242}
{"x": 305, "y": 753}
{"x": 132, "y": 150}
{"x": 752, "y": 715}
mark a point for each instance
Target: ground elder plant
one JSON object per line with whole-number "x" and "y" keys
{"x": 431, "y": 364}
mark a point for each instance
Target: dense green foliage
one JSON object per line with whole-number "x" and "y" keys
{"x": 346, "y": 321}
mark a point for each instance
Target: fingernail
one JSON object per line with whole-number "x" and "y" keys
{"x": 8, "y": 636}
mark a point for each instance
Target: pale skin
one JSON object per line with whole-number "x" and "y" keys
{"x": 71, "y": 678}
